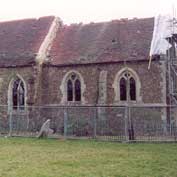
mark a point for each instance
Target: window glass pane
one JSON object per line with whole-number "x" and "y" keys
{"x": 123, "y": 90}
{"x": 21, "y": 95}
{"x": 69, "y": 90}
{"x": 132, "y": 89}
{"x": 77, "y": 90}
{"x": 15, "y": 94}
{"x": 18, "y": 95}
{"x": 14, "y": 99}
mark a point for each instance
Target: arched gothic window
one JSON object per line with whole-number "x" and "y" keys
{"x": 18, "y": 94}
{"x": 73, "y": 88}
{"x": 127, "y": 86}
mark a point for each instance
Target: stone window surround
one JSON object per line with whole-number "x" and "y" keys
{"x": 10, "y": 88}
{"x": 63, "y": 87}
{"x": 116, "y": 85}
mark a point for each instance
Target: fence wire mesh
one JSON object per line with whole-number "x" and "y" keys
{"x": 114, "y": 123}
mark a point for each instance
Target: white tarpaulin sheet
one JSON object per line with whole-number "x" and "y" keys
{"x": 164, "y": 27}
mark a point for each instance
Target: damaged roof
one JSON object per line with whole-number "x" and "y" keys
{"x": 20, "y": 40}
{"x": 119, "y": 40}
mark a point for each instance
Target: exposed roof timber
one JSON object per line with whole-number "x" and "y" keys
{"x": 172, "y": 39}
{"x": 175, "y": 37}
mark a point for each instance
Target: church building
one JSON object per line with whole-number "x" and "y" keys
{"x": 44, "y": 62}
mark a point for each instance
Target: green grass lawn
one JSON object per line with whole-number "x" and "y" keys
{"x": 20, "y": 157}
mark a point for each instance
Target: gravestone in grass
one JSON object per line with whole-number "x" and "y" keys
{"x": 45, "y": 130}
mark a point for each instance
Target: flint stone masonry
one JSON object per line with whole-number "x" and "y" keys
{"x": 150, "y": 91}
{"x": 102, "y": 94}
{"x": 102, "y": 98}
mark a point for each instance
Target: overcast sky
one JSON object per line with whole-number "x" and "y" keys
{"x": 75, "y": 11}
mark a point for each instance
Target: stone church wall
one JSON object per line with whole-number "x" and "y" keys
{"x": 7, "y": 74}
{"x": 152, "y": 82}
{"x": 46, "y": 85}
{"x": 152, "y": 93}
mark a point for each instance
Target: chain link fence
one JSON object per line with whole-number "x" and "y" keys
{"x": 112, "y": 123}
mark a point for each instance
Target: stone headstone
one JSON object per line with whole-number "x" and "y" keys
{"x": 45, "y": 130}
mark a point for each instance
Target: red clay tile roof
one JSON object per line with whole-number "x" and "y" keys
{"x": 117, "y": 40}
{"x": 20, "y": 40}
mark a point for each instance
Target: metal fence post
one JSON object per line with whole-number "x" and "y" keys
{"x": 10, "y": 121}
{"x": 95, "y": 122}
{"x": 126, "y": 123}
{"x": 65, "y": 122}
